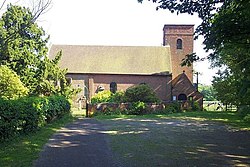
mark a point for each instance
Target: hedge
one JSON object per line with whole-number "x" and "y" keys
{"x": 28, "y": 114}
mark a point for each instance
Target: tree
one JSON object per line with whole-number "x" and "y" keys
{"x": 208, "y": 92}
{"x": 23, "y": 48}
{"x": 225, "y": 27}
{"x": 10, "y": 86}
{"x": 22, "y": 45}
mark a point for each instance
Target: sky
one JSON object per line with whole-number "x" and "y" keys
{"x": 115, "y": 22}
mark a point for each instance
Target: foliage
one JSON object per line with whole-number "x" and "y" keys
{"x": 142, "y": 93}
{"x": 247, "y": 118}
{"x": 137, "y": 108}
{"x": 135, "y": 93}
{"x": 175, "y": 107}
{"x": 208, "y": 92}
{"x": 24, "y": 149}
{"x": 196, "y": 107}
{"x": 30, "y": 113}
{"x": 10, "y": 86}
{"x": 22, "y": 45}
{"x": 108, "y": 96}
{"x": 225, "y": 28}
{"x": 23, "y": 48}
{"x": 100, "y": 97}
{"x": 244, "y": 111}
{"x": 118, "y": 97}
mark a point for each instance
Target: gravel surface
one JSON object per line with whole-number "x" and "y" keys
{"x": 146, "y": 142}
{"x": 82, "y": 143}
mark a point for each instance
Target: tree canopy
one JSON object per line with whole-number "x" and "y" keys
{"x": 225, "y": 28}
{"x": 23, "y": 49}
{"x": 22, "y": 45}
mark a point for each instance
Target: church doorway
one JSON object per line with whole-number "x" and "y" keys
{"x": 182, "y": 97}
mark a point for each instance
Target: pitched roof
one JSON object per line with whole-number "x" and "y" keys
{"x": 143, "y": 60}
{"x": 182, "y": 81}
{"x": 179, "y": 79}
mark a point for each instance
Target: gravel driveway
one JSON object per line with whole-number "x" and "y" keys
{"x": 146, "y": 142}
{"x": 172, "y": 142}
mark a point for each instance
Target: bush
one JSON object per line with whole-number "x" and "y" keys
{"x": 247, "y": 118}
{"x": 142, "y": 93}
{"x": 101, "y": 97}
{"x": 175, "y": 107}
{"x": 244, "y": 111}
{"x": 11, "y": 87}
{"x": 108, "y": 96}
{"x": 137, "y": 108}
{"x": 29, "y": 113}
{"x": 118, "y": 97}
{"x": 196, "y": 106}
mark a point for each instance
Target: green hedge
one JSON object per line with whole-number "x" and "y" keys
{"x": 29, "y": 113}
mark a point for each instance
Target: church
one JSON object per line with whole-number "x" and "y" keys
{"x": 95, "y": 68}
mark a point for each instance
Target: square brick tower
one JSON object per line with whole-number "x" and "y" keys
{"x": 180, "y": 39}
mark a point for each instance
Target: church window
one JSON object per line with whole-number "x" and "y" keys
{"x": 113, "y": 87}
{"x": 179, "y": 44}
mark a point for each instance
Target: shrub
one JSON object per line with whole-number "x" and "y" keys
{"x": 11, "y": 87}
{"x": 101, "y": 97}
{"x": 244, "y": 111}
{"x": 168, "y": 110}
{"x": 108, "y": 96}
{"x": 175, "y": 107}
{"x": 196, "y": 106}
{"x": 137, "y": 108}
{"x": 247, "y": 118}
{"x": 29, "y": 113}
{"x": 118, "y": 97}
{"x": 142, "y": 93}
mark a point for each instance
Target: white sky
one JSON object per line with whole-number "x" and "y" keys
{"x": 115, "y": 22}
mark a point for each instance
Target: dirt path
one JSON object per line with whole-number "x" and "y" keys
{"x": 146, "y": 142}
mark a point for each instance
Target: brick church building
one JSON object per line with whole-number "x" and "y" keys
{"x": 95, "y": 68}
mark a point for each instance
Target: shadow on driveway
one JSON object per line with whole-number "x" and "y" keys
{"x": 81, "y": 143}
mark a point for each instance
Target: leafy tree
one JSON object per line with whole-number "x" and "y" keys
{"x": 225, "y": 27}
{"x": 10, "y": 86}
{"x": 22, "y": 45}
{"x": 23, "y": 48}
{"x": 208, "y": 92}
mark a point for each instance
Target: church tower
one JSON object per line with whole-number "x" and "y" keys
{"x": 180, "y": 39}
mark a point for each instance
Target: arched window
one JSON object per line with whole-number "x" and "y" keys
{"x": 179, "y": 44}
{"x": 113, "y": 87}
{"x": 182, "y": 97}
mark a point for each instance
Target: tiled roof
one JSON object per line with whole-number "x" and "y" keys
{"x": 143, "y": 60}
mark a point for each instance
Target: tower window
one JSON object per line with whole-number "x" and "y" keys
{"x": 179, "y": 44}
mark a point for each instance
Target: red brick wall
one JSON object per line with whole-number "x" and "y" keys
{"x": 184, "y": 86}
{"x": 170, "y": 36}
{"x": 160, "y": 84}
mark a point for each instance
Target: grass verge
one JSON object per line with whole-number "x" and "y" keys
{"x": 24, "y": 149}
{"x": 230, "y": 118}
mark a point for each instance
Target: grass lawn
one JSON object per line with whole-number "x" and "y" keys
{"x": 22, "y": 150}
